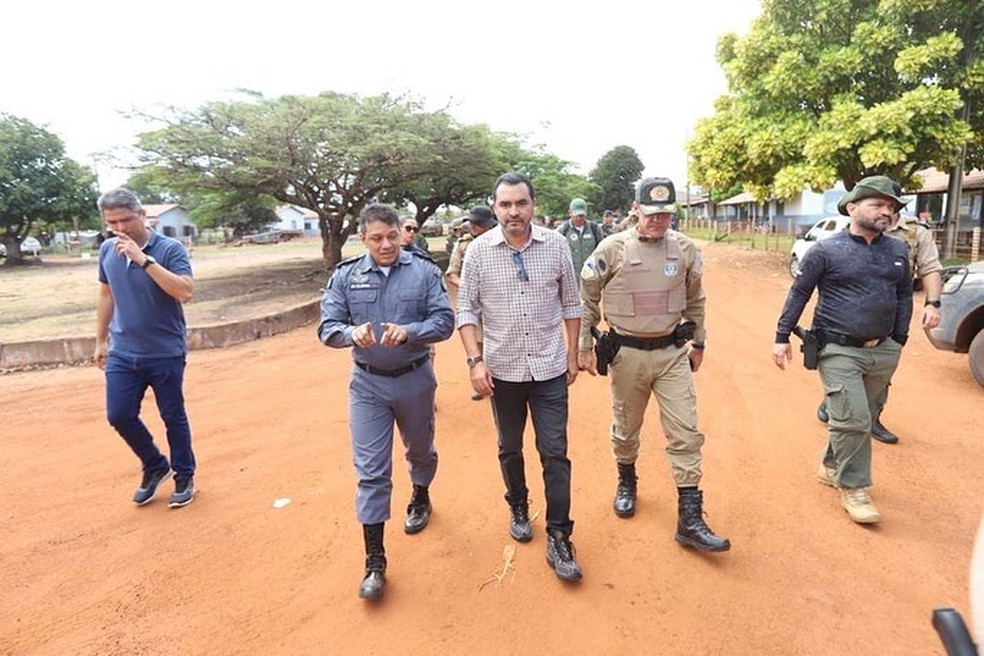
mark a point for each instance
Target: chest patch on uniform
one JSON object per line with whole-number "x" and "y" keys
{"x": 670, "y": 269}
{"x": 358, "y": 277}
{"x": 363, "y": 285}
{"x": 572, "y": 236}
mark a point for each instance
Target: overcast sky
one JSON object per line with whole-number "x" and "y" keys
{"x": 579, "y": 80}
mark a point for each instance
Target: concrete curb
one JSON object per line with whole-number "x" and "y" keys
{"x": 74, "y": 350}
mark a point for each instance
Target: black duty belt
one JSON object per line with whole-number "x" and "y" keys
{"x": 831, "y": 337}
{"x": 643, "y": 343}
{"x": 393, "y": 373}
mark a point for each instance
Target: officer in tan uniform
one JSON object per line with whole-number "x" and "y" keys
{"x": 924, "y": 262}
{"x": 480, "y": 220}
{"x": 650, "y": 277}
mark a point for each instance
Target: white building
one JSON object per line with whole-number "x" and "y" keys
{"x": 292, "y": 217}
{"x": 171, "y": 220}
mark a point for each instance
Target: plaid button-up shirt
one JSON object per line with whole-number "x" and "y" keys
{"x": 522, "y": 297}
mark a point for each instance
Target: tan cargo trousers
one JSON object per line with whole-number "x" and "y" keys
{"x": 665, "y": 373}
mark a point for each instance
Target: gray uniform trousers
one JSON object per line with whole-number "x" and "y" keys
{"x": 854, "y": 382}
{"x": 375, "y": 402}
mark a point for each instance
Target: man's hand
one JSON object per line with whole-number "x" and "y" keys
{"x": 572, "y": 367}
{"x": 393, "y": 334}
{"x": 930, "y": 317}
{"x": 696, "y": 358}
{"x": 100, "y": 355}
{"x": 126, "y": 247}
{"x": 586, "y": 361}
{"x": 363, "y": 336}
{"x": 481, "y": 379}
{"x": 781, "y": 354}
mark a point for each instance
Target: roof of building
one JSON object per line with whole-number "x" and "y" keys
{"x": 743, "y": 197}
{"x": 158, "y": 210}
{"x": 936, "y": 181}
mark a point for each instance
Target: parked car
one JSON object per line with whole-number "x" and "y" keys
{"x": 433, "y": 227}
{"x": 961, "y": 328}
{"x": 30, "y": 246}
{"x": 820, "y": 230}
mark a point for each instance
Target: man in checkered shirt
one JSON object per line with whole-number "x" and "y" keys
{"x": 519, "y": 281}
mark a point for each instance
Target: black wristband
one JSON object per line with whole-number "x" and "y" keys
{"x": 936, "y": 304}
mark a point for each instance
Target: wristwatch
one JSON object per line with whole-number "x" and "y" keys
{"x": 697, "y": 345}
{"x": 473, "y": 361}
{"x": 936, "y": 304}
{"x": 150, "y": 260}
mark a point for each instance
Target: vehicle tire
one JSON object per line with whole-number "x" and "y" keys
{"x": 976, "y": 356}
{"x": 794, "y": 266}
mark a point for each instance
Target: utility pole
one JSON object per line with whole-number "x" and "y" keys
{"x": 955, "y": 185}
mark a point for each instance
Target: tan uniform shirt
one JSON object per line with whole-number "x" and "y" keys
{"x": 924, "y": 257}
{"x": 458, "y": 254}
{"x": 652, "y": 285}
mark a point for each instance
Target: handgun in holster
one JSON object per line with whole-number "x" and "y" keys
{"x": 810, "y": 346}
{"x": 683, "y": 333}
{"x": 605, "y": 350}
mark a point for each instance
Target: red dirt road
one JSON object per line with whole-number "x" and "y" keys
{"x": 86, "y": 572}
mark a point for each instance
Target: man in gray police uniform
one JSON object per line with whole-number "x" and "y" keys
{"x": 389, "y": 305}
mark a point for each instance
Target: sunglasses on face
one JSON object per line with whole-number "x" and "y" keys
{"x": 410, "y": 229}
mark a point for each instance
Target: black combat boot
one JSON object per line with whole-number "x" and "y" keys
{"x": 375, "y": 577}
{"x": 691, "y": 529}
{"x": 882, "y": 434}
{"x": 625, "y": 494}
{"x": 419, "y": 510}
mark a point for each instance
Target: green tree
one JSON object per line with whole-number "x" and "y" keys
{"x": 822, "y": 90}
{"x": 459, "y": 164}
{"x": 331, "y": 153}
{"x": 555, "y": 182}
{"x": 616, "y": 174}
{"x": 38, "y": 183}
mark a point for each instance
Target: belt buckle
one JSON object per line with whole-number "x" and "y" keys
{"x": 871, "y": 343}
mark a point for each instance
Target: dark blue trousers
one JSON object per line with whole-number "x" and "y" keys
{"x": 127, "y": 379}
{"x": 547, "y": 401}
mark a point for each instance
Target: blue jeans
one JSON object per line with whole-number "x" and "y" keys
{"x": 546, "y": 400}
{"x": 127, "y": 379}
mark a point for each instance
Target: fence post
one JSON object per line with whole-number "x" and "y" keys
{"x": 975, "y": 244}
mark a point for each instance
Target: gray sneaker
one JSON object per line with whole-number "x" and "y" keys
{"x": 148, "y": 485}
{"x": 184, "y": 492}
{"x": 562, "y": 557}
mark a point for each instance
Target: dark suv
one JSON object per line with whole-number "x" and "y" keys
{"x": 961, "y": 326}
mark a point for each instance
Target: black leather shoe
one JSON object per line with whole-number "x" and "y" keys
{"x": 822, "y": 412}
{"x": 419, "y": 511}
{"x": 882, "y": 434}
{"x": 520, "y": 527}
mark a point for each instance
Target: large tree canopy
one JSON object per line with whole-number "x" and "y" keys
{"x": 616, "y": 174}
{"x": 38, "y": 183}
{"x": 331, "y": 153}
{"x": 821, "y": 90}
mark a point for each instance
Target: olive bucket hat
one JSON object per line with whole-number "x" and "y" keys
{"x": 872, "y": 187}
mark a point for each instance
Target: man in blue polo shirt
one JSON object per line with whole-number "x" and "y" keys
{"x": 141, "y": 340}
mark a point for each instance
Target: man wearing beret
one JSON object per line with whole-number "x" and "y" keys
{"x": 862, "y": 321}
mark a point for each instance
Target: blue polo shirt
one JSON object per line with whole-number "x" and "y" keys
{"x": 146, "y": 322}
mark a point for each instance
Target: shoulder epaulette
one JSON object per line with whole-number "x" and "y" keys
{"x": 349, "y": 261}
{"x": 422, "y": 254}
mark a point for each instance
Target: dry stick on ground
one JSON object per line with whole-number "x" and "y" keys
{"x": 508, "y": 556}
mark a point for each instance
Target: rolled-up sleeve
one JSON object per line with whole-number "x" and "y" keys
{"x": 468, "y": 311}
